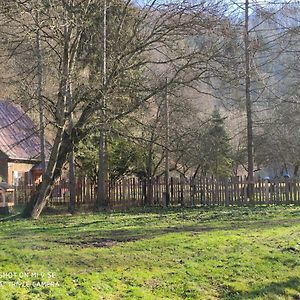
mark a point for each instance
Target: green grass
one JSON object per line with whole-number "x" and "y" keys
{"x": 236, "y": 253}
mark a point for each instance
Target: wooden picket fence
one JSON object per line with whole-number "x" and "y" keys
{"x": 134, "y": 192}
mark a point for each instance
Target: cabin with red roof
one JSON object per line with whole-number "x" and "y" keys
{"x": 19, "y": 146}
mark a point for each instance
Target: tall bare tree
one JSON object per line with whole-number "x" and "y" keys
{"x": 102, "y": 200}
{"x": 248, "y": 104}
{"x": 141, "y": 41}
{"x": 40, "y": 92}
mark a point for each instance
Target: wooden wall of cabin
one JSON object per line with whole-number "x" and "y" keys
{"x": 20, "y": 168}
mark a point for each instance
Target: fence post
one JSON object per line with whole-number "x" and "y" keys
{"x": 287, "y": 191}
{"x": 192, "y": 191}
{"x": 294, "y": 191}
{"x": 226, "y": 192}
{"x": 266, "y": 191}
{"x": 149, "y": 194}
{"x": 181, "y": 191}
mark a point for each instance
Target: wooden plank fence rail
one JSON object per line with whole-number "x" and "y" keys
{"x": 134, "y": 192}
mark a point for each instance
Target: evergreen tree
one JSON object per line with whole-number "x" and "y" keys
{"x": 217, "y": 149}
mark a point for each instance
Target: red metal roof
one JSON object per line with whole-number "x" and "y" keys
{"x": 19, "y": 138}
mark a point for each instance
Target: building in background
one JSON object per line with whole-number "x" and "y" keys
{"x": 19, "y": 146}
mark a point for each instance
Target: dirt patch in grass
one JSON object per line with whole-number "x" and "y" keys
{"x": 291, "y": 249}
{"x": 111, "y": 238}
{"x": 98, "y": 243}
{"x": 122, "y": 236}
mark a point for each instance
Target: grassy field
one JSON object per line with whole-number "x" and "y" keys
{"x": 236, "y": 253}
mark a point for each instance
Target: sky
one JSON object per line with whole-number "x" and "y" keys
{"x": 234, "y": 6}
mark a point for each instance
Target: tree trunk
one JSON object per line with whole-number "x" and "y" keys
{"x": 248, "y": 105}
{"x": 102, "y": 200}
{"x": 40, "y": 95}
{"x": 102, "y": 173}
{"x": 167, "y": 142}
{"x": 149, "y": 180}
{"x": 62, "y": 143}
{"x": 72, "y": 181}
{"x": 296, "y": 169}
{"x": 60, "y": 150}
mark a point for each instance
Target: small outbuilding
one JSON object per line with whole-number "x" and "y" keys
{"x": 19, "y": 145}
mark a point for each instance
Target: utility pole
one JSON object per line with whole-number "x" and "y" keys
{"x": 167, "y": 159}
{"x": 248, "y": 104}
{"x": 40, "y": 93}
{"x": 102, "y": 200}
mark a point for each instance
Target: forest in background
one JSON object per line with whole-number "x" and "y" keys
{"x": 121, "y": 88}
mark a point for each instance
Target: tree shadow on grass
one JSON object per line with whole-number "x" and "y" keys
{"x": 109, "y": 238}
{"x": 272, "y": 290}
{"x": 89, "y": 237}
{"x": 10, "y": 218}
